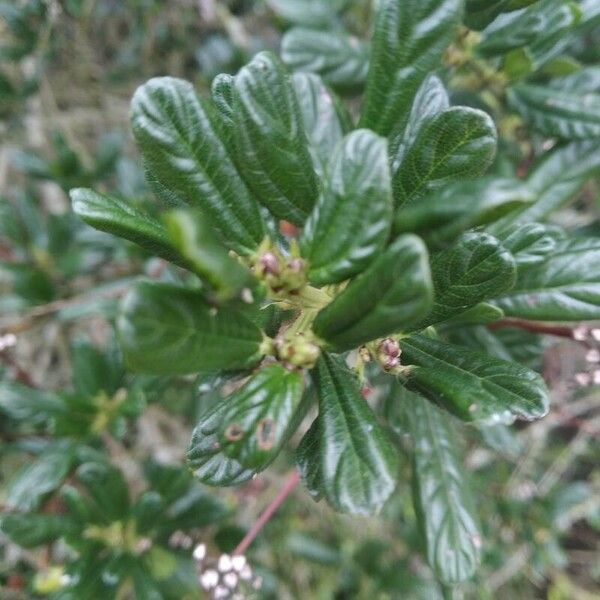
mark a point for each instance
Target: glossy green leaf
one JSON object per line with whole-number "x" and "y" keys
{"x": 312, "y": 13}
{"x": 325, "y": 118}
{"x": 480, "y": 13}
{"x": 351, "y": 221}
{"x": 273, "y": 150}
{"x": 195, "y": 240}
{"x": 30, "y": 484}
{"x": 558, "y": 113}
{"x": 472, "y": 385}
{"x": 408, "y": 43}
{"x": 125, "y": 220}
{"x": 456, "y": 144}
{"x": 531, "y": 243}
{"x": 257, "y": 421}
{"x": 222, "y": 92}
{"x": 477, "y": 267}
{"x": 166, "y": 329}
{"x": 445, "y": 213}
{"x": 31, "y": 530}
{"x": 342, "y": 60}
{"x": 431, "y": 98}
{"x": 346, "y": 456}
{"x": 543, "y": 22}
{"x": 24, "y": 403}
{"x": 187, "y": 163}
{"x": 390, "y": 296}
{"x": 442, "y": 494}
{"x": 564, "y": 286}
{"x": 205, "y": 456}
{"x": 106, "y": 489}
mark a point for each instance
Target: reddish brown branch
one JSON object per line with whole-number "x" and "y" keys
{"x": 534, "y": 327}
{"x": 288, "y": 486}
{"x": 21, "y": 375}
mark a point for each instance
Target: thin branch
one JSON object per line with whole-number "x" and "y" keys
{"x": 288, "y": 486}
{"x": 535, "y": 327}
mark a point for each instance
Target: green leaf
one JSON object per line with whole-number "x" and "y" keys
{"x": 342, "y": 60}
{"x": 187, "y": 162}
{"x": 445, "y": 213}
{"x": 95, "y": 371}
{"x": 431, "y": 99}
{"x": 480, "y": 13}
{"x": 557, "y": 113}
{"x": 564, "y": 286}
{"x": 391, "y": 295}
{"x": 477, "y": 267}
{"x": 31, "y": 530}
{"x": 106, "y": 489}
{"x": 257, "y": 421}
{"x": 350, "y": 223}
{"x": 222, "y": 93}
{"x": 23, "y": 403}
{"x": 35, "y": 480}
{"x": 122, "y": 219}
{"x": 441, "y": 493}
{"x": 543, "y": 22}
{"x": 325, "y": 118}
{"x": 167, "y": 330}
{"x": 272, "y": 145}
{"x": 472, "y": 385}
{"x": 194, "y": 238}
{"x": 409, "y": 40}
{"x": 312, "y": 13}
{"x": 455, "y": 144}
{"x": 205, "y": 457}
{"x": 530, "y": 243}
{"x": 346, "y": 456}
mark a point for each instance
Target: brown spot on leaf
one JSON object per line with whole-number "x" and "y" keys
{"x": 265, "y": 434}
{"x": 234, "y": 432}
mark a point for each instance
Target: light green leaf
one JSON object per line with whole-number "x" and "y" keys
{"x": 472, "y": 385}
{"x": 346, "y": 456}
{"x": 456, "y": 144}
{"x": 342, "y": 60}
{"x": 351, "y": 221}
{"x": 477, "y": 267}
{"x": 408, "y": 42}
{"x": 260, "y": 415}
{"x": 441, "y": 493}
{"x": 196, "y": 242}
{"x": 187, "y": 162}
{"x": 393, "y": 294}
{"x": 557, "y": 113}
{"x": 273, "y": 150}
{"x": 564, "y": 286}
{"x": 312, "y": 13}
{"x": 166, "y": 329}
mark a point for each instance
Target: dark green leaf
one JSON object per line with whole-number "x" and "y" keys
{"x": 94, "y": 370}
{"x": 257, "y": 421}
{"x": 531, "y": 242}
{"x": 431, "y": 98}
{"x": 23, "y": 403}
{"x": 205, "y": 456}
{"x": 342, "y": 60}
{"x": 472, "y": 385}
{"x": 43, "y": 475}
{"x": 455, "y": 144}
{"x": 564, "y": 286}
{"x": 194, "y": 238}
{"x": 346, "y": 456}
{"x": 187, "y": 163}
{"x": 480, "y": 13}
{"x": 390, "y": 296}
{"x": 441, "y": 494}
{"x": 408, "y": 42}
{"x": 30, "y": 530}
{"x": 194, "y": 508}
{"x": 475, "y": 269}
{"x": 350, "y": 223}
{"x": 325, "y": 118}
{"x": 567, "y": 115}
{"x": 106, "y": 489}
{"x": 165, "y": 329}
{"x": 445, "y": 213}
{"x": 273, "y": 149}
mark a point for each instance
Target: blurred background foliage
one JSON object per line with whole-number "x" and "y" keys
{"x": 93, "y": 486}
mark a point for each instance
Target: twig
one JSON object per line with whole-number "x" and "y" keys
{"x": 288, "y": 486}
{"x": 21, "y": 375}
{"x": 535, "y": 327}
